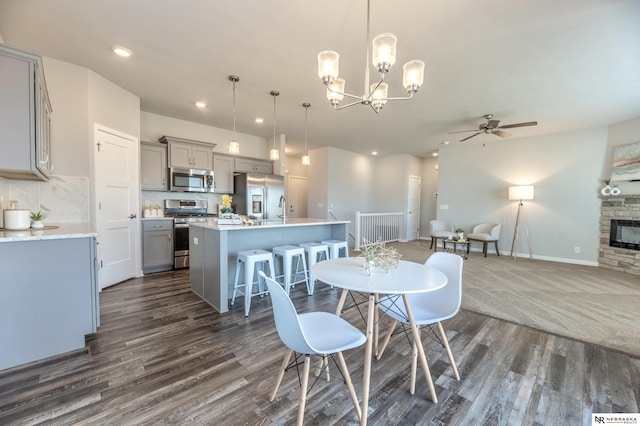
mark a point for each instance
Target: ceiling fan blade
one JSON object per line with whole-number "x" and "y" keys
{"x": 528, "y": 123}
{"x": 501, "y": 133}
{"x": 469, "y": 137}
{"x": 463, "y": 131}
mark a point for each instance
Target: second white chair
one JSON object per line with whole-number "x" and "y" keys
{"x": 429, "y": 308}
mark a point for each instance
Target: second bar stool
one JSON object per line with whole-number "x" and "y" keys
{"x": 251, "y": 260}
{"x": 315, "y": 252}
{"x": 289, "y": 274}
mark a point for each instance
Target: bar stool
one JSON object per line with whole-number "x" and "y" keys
{"x": 335, "y": 248}
{"x": 288, "y": 253}
{"x": 252, "y": 259}
{"x": 315, "y": 252}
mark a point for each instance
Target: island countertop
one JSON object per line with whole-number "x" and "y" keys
{"x": 55, "y": 231}
{"x": 262, "y": 224}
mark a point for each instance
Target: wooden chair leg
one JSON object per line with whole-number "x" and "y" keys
{"x": 303, "y": 389}
{"x": 386, "y": 339}
{"x": 497, "y": 251}
{"x": 484, "y": 248}
{"x": 431, "y": 246}
{"x": 445, "y": 342}
{"x": 414, "y": 368}
{"x": 347, "y": 379}
{"x": 283, "y": 367}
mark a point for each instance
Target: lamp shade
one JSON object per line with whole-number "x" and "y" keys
{"x": 521, "y": 192}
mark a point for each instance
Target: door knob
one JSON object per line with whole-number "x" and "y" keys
{"x": 132, "y": 216}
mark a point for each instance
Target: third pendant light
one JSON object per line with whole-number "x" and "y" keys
{"x": 274, "y": 154}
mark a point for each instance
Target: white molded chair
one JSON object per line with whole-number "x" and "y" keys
{"x": 486, "y": 233}
{"x": 439, "y": 230}
{"x": 312, "y": 333}
{"x": 429, "y": 308}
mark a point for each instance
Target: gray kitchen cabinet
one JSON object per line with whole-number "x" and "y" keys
{"x": 49, "y": 298}
{"x": 153, "y": 166}
{"x": 189, "y": 154}
{"x": 248, "y": 165}
{"x": 157, "y": 245}
{"x": 25, "y": 117}
{"x": 223, "y": 173}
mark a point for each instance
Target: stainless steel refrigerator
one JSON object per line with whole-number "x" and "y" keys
{"x": 259, "y": 196}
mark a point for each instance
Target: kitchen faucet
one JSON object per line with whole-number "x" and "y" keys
{"x": 283, "y": 204}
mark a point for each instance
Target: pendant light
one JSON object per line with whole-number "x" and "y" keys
{"x": 234, "y": 146}
{"x": 305, "y": 158}
{"x": 274, "y": 154}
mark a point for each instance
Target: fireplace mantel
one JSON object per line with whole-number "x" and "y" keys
{"x": 621, "y": 207}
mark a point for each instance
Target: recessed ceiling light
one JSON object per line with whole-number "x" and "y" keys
{"x": 435, "y": 154}
{"x": 201, "y": 104}
{"x": 121, "y": 51}
{"x": 445, "y": 143}
{"x": 374, "y": 152}
{"x": 259, "y": 120}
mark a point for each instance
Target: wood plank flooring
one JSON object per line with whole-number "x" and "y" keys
{"x": 162, "y": 356}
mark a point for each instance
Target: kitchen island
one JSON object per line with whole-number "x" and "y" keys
{"x": 48, "y": 291}
{"x": 213, "y": 249}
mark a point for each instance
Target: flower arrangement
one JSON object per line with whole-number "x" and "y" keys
{"x": 226, "y": 203}
{"x": 377, "y": 255}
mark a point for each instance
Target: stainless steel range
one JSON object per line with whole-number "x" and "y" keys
{"x": 183, "y": 213}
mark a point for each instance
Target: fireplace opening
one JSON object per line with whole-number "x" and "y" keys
{"x": 625, "y": 234}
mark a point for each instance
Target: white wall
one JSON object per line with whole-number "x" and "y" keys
{"x": 565, "y": 169}
{"x": 317, "y": 201}
{"x": 428, "y": 198}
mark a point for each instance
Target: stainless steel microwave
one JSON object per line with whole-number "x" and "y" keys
{"x": 190, "y": 180}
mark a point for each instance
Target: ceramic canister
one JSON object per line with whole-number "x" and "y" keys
{"x": 17, "y": 219}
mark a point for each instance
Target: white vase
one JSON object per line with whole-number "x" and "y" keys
{"x": 615, "y": 191}
{"x": 370, "y": 267}
{"x": 37, "y": 224}
{"x": 606, "y": 190}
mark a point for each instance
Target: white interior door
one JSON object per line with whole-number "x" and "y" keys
{"x": 297, "y": 196}
{"x": 116, "y": 204}
{"x": 413, "y": 208}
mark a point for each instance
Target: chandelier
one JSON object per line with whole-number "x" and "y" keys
{"x": 234, "y": 146}
{"x": 384, "y": 56}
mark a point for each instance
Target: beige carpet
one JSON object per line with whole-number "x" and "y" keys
{"x": 587, "y": 303}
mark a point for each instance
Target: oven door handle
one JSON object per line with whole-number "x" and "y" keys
{"x": 180, "y": 225}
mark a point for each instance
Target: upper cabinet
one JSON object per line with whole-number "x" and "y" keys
{"x": 248, "y": 165}
{"x": 153, "y": 166}
{"x": 189, "y": 154}
{"x": 25, "y": 117}
{"x": 223, "y": 173}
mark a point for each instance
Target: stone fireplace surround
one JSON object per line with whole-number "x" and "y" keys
{"x": 622, "y": 207}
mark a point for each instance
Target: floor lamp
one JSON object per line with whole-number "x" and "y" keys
{"x": 521, "y": 192}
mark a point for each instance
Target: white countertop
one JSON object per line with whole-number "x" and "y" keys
{"x": 63, "y": 230}
{"x": 262, "y": 224}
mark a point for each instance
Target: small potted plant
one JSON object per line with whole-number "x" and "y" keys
{"x": 460, "y": 233}
{"x": 36, "y": 219}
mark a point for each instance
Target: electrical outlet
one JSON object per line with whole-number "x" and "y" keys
{"x": 444, "y": 206}
{"x": 576, "y": 249}
{"x": 195, "y": 241}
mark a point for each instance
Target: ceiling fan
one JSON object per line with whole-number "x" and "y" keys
{"x": 493, "y": 127}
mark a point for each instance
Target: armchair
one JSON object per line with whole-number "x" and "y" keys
{"x": 486, "y": 233}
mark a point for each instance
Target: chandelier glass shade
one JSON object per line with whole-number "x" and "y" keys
{"x": 234, "y": 146}
{"x": 382, "y": 52}
{"x": 305, "y": 158}
{"x": 274, "y": 154}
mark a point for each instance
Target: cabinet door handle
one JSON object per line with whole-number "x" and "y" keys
{"x": 169, "y": 234}
{"x": 133, "y": 216}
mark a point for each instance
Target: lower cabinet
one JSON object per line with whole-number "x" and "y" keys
{"x": 48, "y": 298}
{"x": 157, "y": 245}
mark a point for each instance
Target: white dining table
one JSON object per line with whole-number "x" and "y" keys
{"x": 349, "y": 274}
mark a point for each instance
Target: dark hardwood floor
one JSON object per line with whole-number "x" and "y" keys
{"x": 162, "y": 356}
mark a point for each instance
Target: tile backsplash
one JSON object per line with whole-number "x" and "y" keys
{"x": 62, "y": 198}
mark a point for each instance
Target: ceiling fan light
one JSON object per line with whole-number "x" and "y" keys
{"x": 306, "y": 160}
{"x": 413, "y": 75}
{"x": 328, "y": 65}
{"x": 384, "y": 51}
